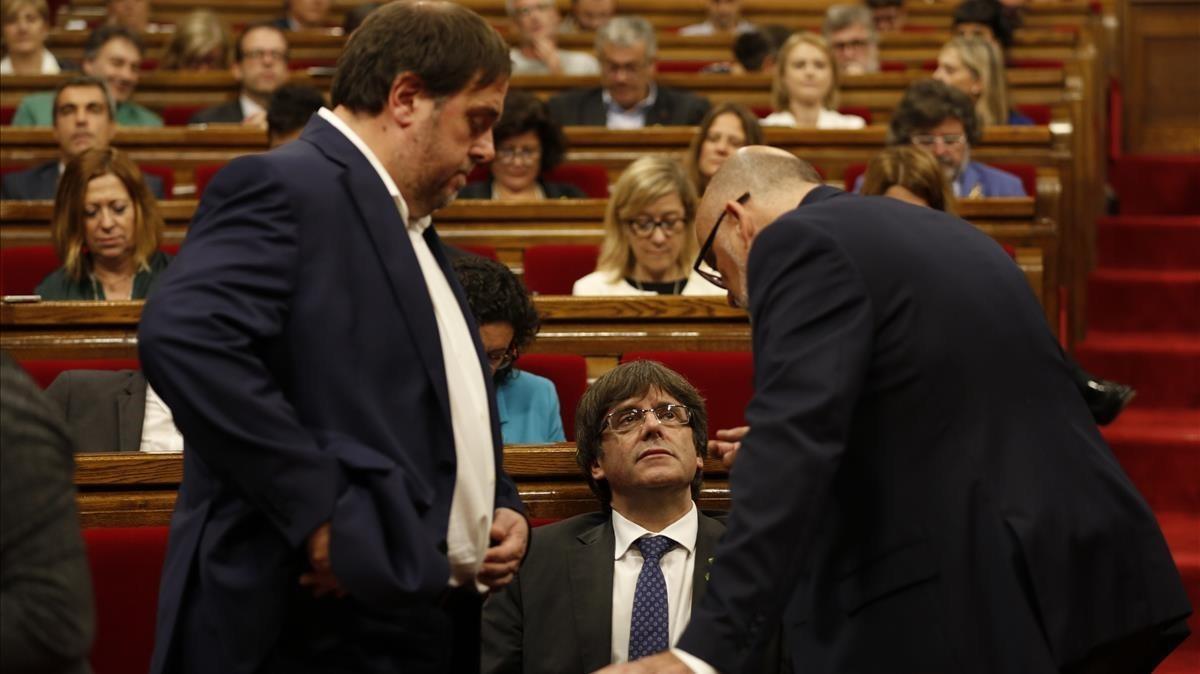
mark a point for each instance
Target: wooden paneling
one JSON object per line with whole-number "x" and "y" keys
{"x": 1161, "y": 76}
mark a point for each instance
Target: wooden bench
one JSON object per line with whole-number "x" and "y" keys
{"x": 131, "y": 489}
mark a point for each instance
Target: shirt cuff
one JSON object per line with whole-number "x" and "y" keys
{"x": 697, "y": 665}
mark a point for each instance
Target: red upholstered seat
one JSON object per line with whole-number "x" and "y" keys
{"x": 203, "y": 174}
{"x": 851, "y": 174}
{"x": 859, "y": 110}
{"x": 23, "y": 267}
{"x": 126, "y": 564}
{"x": 569, "y": 374}
{"x": 591, "y": 178}
{"x": 44, "y": 371}
{"x": 724, "y": 378}
{"x": 7, "y": 113}
{"x": 553, "y": 269}
{"x": 1040, "y": 114}
{"x": 164, "y": 173}
{"x": 11, "y": 168}
{"x": 179, "y": 115}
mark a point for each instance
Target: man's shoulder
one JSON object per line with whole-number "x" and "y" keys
{"x": 133, "y": 114}
{"x": 998, "y": 182}
{"x": 568, "y": 532}
{"x": 577, "y": 95}
{"x": 35, "y": 182}
{"x": 35, "y": 110}
{"x": 229, "y": 111}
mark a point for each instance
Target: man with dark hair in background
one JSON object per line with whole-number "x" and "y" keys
{"x": 260, "y": 65}
{"x": 756, "y": 51}
{"x": 850, "y": 32}
{"x": 289, "y": 110}
{"x": 984, "y": 19}
{"x": 343, "y": 503}
{"x": 113, "y": 54}
{"x": 889, "y": 15}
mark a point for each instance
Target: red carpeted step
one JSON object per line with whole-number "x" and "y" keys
{"x": 1164, "y": 368}
{"x": 1139, "y": 300}
{"x": 1160, "y": 450}
{"x": 1164, "y": 185}
{"x": 1148, "y": 242}
{"x": 1182, "y": 531}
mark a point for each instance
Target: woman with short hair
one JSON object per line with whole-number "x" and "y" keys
{"x": 106, "y": 229}
{"x": 806, "y": 87}
{"x": 201, "y": 42}
{"x": 25, "y": 25}
{"x": 649, "y": 235}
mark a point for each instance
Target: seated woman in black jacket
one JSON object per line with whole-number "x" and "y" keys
{"x": 528, "y": 144}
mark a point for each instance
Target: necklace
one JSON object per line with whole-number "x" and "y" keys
{"x": 676, "y": 286}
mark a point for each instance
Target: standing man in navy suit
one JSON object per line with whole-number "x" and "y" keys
{"x": 343, "y": 502}
{"x": 922, "y": 488}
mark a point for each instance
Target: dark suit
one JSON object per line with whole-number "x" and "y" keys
{"x": 922, "y": 488}
{"x": 295, "y": 341}
{"x": 41, "y": 183}
{"x": 104, "y": 410}
{"x": 556, "y": 617}
{"x": 229, "y": 112}
{"x": 585, "y": 107}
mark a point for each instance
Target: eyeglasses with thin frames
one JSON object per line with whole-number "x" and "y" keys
{"x": 706, "y": 258}
{"x": 626, "y": 420}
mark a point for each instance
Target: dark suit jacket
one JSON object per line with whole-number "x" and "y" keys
{"x": 227, "y": 112}
{"x": 556, "y": 617}
{"x": 302, "y": 404}
{"x": 41, "y": 183}
{"x": 922, "y": 479}
{"x": 104, "y": 409}
{"x": 47, "y": 596}
{"x": 585, "y": 107}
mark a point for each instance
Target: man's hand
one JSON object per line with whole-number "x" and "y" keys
{"x": 321, "y": 579}
{"x": 547, "y": 52}
{"x": 727, "y": 444}
{"x": 258, "y": 120}
{"x": 662, "y": 663}
{"x": 510, "y": 535}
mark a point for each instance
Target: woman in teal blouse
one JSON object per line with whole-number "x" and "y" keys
{"x": 527, "y": 404}
{"x": 106, "y": 229}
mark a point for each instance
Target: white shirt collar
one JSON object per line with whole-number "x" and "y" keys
{"x": 249, "y": 107}
{"x": 638, "y": 107}
{"x": 419, "y": 225}
{"x": 682, "y": 531}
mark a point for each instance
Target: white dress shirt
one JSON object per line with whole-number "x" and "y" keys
{"x": 826, "y": 119}
{"x": 677, "y": 565}
{"x": 633, "y": 118}
{"x": 475, "y": 481}
{"x": 159, "y": 434}
{"x": 708, "y": 28}
{"x": 249, "y": 107}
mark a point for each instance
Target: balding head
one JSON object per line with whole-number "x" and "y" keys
{"x": 774, "y": 180}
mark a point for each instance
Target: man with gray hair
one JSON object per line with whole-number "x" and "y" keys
{"x": 850, "y": 31}
{"x": 628, "y": 98}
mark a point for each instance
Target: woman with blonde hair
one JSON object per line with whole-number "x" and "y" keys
{"x": 909, "y": 174}
{"x": 25, "y": 24}
{"x": 106, "y": 229}
{"x": 976, "y": 67}
{"x": 201, "y": 42}
{"x": 726, "y": 128}
{"x": 649, "y": 235}
{"x": 806, "y": 87}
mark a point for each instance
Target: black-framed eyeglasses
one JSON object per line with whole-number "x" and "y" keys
{"x": 499, "y": 360}
{"x": 706, "y": 258}
{"x": 626, "y": 420}
{"x": 643, "y": 226}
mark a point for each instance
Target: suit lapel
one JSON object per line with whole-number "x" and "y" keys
{"x": 594, "y": 112}
{"x": 590, "y": 568}
{"x": 659, "y": 113}
{"x": 131, "y": 413}
{"x": 380, "y": 216}
{"x": 708, "y": 533}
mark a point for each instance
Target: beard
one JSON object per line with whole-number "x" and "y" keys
{"x": 432, "y": 189}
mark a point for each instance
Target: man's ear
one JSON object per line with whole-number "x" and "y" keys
{"x": 743, "y": 221}
{"x": 87, "y": 67}
{"x": 235, "y": 69}
{"x": 402, "y": 99}
{"x": 597, "y": 471}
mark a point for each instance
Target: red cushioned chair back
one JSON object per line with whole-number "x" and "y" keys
{"x": 1040, "y": 114}
{"x": 12, "y": 168}
{"x": 859, "y": 110}
{"x": 569, "y": 374}
{"x": 724, "y": 378}
{"x": 683, "y": 66}
{"x": 553, "y": 269}
{"x": 1026, "y": 172}
{"x": 179, "y": 115}
{"x": 893, "y": 66}
{"x": 7, "y": 113}
{"x": 203, "y": 174}
{"x": 23, "y": 267}
{"x": 591, "y": 178}
{"x": 164, "y": 173}
{"x": 44, "y": 371}
{"x": 126, "y": 564}
{"x": 851, "y": 174}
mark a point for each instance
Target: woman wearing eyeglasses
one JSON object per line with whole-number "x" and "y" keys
{"x": 528, "y": 143}
{"x": 649, "y": 235}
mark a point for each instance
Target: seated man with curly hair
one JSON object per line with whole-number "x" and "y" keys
{"x": 526, "y": 403}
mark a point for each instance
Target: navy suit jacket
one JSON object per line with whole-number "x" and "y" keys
{"x": 922, "y": 488}
{"x": 229, "y": 112}
{"x": 585, "y": 107}
{"x": 295, "y": 342}
{"x": 41, "y": 183}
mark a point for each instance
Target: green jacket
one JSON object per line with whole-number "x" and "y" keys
{"x": 38, "y": 110}
{"x": 59, "y": 287}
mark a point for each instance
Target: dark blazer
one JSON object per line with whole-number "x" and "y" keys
{"x": 41, "y": 183}
{"x": 923, "y": 488}
{"x": 227, "y": 112}
{"x": 556, "y": 616}
{"x": 104, "y": 410}
{"x": 301, "y": 404}
{"x": 482, "y": 189}
{"x": 585, "y": 107}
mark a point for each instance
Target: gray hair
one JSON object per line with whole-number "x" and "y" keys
{"x": 840, "y": 17}
{"x": 627, "y": 31}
